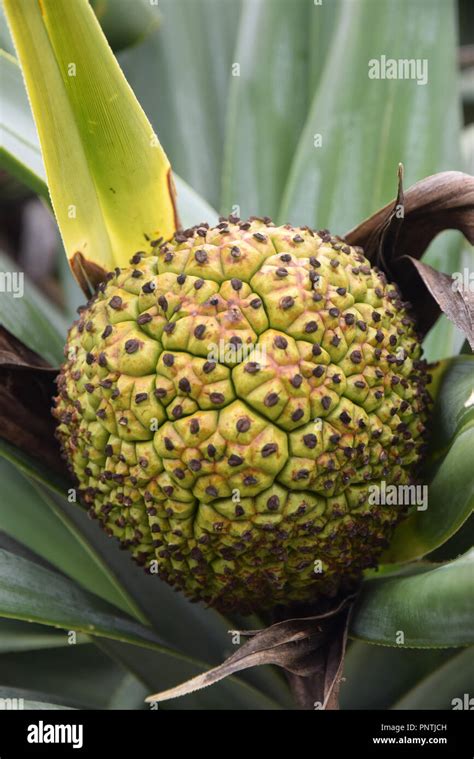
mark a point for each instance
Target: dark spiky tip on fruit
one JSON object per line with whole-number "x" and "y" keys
{"x": 229, "y": 401}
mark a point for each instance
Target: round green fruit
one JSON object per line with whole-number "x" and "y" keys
{"x": 230, "y": 404}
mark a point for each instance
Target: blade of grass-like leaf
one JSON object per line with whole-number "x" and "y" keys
{"x": 432, "y": 607}
{"x": 188, "y": 63}
{"x": 6, "y": 42}
{"x": 108, "y": 177}
{"x": 454, "y": 408}
{"x": 445, "y": 687}
{"x": 450, "y": 503}
{"x": 445, "y": 339}
{"x": 129, "y": 693}
{"x": 26, "y": 517}
{"x": 30, "y": 700}
{"x": 461, "y": 542}
{"x": 20, "y": 153}
{"x": 451, "y": 490}
{"x": 98, "y": 574}
{"x": 30, "y": 317}
{"x": 368, "y": 125}
{"x": 26, "y": 464}
{"x": 376, "y": 676}
{"x": 25, "y": 636}
{"x": 32, "y": 593}
{"x": 79, "y": 676}
{"x": 278, "y": 53}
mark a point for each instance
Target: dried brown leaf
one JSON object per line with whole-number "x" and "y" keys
{"x": 311, "y": 649}
{"x": 26, "y": 390}
{"x": 392, "y": 241}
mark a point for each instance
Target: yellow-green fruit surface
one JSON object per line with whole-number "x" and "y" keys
{"x": 230, "y": 404}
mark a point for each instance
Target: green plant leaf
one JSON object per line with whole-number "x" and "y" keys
{"x": 20, "y": 151}
{"x": 418, "y": 602}
{"x": 451, "y": 485}
{"x": 450, "y": 503}
{"x": 26, "y": 517}
{"x": 108, "y": 176}
{"x": 31, "y": 700}
{"x": 31, "y": 318}
{"x": 29, "y": 466}
{"x": 460, "y": 542}
{"x": 25, "y": 636}
{"x": 454, "y": 407}
{"x": 129, "y": 693}
{"x": 354, "y": 172}
{"x": 280, "y": 48}
{"x": 82, "y": 677}
{"x": 193, "y": 209}
{"x": 185, "y": 92}
{"x": 444, "y": 688}
{"x": 32, "y": 593}
{"x": 40, "y": 524}
{"x": 376, "y": 676}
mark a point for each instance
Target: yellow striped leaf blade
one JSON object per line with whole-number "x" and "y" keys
{"x": 109, "y": 179}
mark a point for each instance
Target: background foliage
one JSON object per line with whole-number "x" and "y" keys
{"x": 245, "y": 141}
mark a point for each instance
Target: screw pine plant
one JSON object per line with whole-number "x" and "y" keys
{"x": 235, "y": 390}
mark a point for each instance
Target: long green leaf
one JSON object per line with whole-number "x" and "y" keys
{"x": 32, "y": 593}
{"x": 451, "y": 490}
{"x": 369, "y": 125}
{"x": 107, "y": 174}
{"x": 432, "y": 608}
{"x": 450, "y": 503}
{"x": 79, "y": 676}
{"x": 97, "y": 574}
{"x": 454, "y": 407}
{"x": 460, "y": 542}
{"x": 376, "y": 676}
{"x": 29, "y": 592}
{"x": 280, "y": 49}
{"x": 20, "y": 151}
{"x": 30, "y": 318}
{"x": 19, "y": 147}
{"x": 30, "y": 700}
{"x": 445, "y": 688}
{"x": 32, "y": 468}
{"x": 24, "y": 636}
{"x": 26, "y": 516}
{"x": 185, "y": 91}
